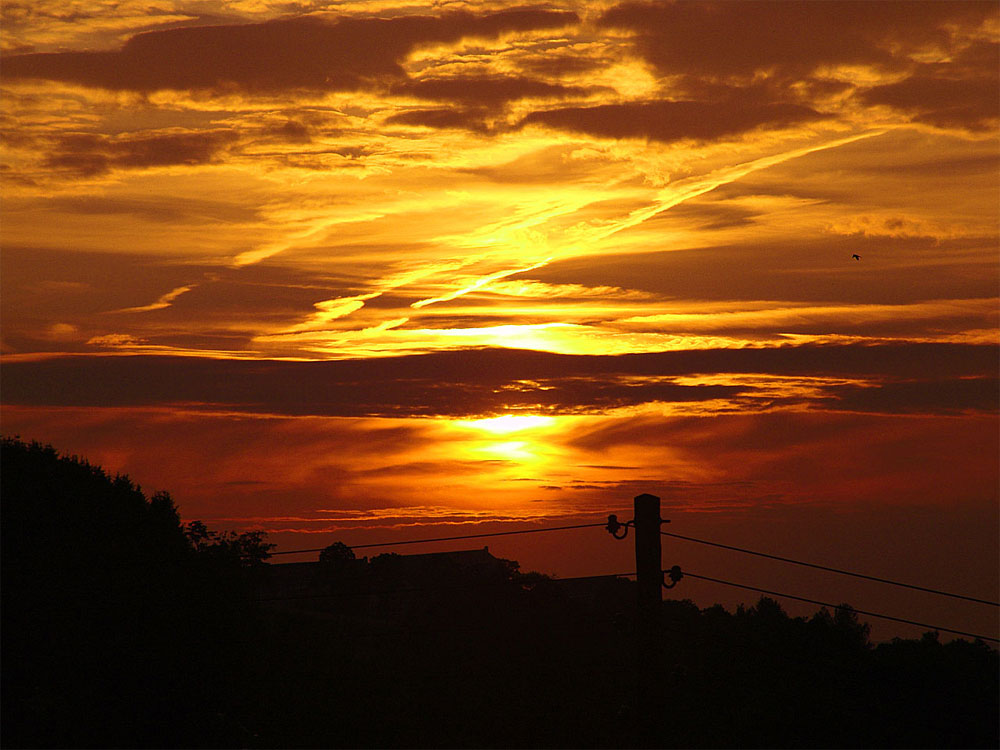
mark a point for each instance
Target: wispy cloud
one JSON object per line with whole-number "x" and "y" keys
{"x": 165, "y": 300}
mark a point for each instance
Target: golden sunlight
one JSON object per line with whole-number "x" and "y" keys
{"x": 514, "y": 439}
{"x": 508, "y": 423}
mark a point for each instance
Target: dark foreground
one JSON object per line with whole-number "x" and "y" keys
{"x": 124, "y": 629}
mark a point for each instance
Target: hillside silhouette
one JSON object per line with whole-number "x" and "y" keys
{"x": 125, "y": 628}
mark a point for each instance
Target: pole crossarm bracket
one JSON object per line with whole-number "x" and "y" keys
{"x": 614, "y": 526}
{"x": 675, "y": 574}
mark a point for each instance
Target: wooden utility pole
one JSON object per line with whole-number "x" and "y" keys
{"x": 649, "y": 584}
{"x": 647, "y": 557}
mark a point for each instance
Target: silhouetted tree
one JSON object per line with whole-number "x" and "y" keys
{"x": 113, "y": 629}
{"x": 248, "y": 549}
{"x": 336, "y": 552}
{"x": 384, "y": 567}
{"x": 512, "y": 572}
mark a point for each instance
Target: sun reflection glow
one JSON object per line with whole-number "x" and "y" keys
{"x": 487, "y": 439}
{"x": 519, "y": 451}
{"x": 508, "y": 423}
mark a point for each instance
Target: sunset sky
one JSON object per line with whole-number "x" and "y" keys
{"x": 368, "y": 271}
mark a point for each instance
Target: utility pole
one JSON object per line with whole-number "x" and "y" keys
{"x": 649, "y": 583}
{"x": 649, "y": 577}
{"x": 649, "y": 600}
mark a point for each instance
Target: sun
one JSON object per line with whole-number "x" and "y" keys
{"x": 515, "y": 438}
{"x": 517, "y": 451}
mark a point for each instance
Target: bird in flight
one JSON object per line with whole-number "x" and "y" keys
{"x": 856, "y": 256}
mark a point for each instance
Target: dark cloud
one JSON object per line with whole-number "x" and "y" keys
{"x": 89, "y": 154}
{"x": 557, "y": 64}
{"x": 895, "y": 270}
{"x": 38, "y": 286}
{"x": 462, "y": 119}
{"x": 911, "y": 378}
{"x": 489, "y": 91}
{"x": 35, "y": 284}
{"x": 823, "y": 456}
{"x": 961, "y": 94}
{"x": 299, "y": 53}
{"x": 705, "y": 47}
{"x": 292, "y": 131}
{"x": 786, "y": 39}
{"x": 157, "y": 208}
{"x": 953, "y": 396}
{"x": 318, "y": 159}
{"x": 672, "y": 121}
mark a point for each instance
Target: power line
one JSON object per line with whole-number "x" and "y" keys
{"x": 837, "y": 606}
{"x": 449, "y": 538}
{"x": 832, "y": 570}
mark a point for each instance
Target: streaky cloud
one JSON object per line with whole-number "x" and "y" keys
{"x": 910, "y": 378}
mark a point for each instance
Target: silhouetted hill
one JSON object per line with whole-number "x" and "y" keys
{"x": 124, "y": 629}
